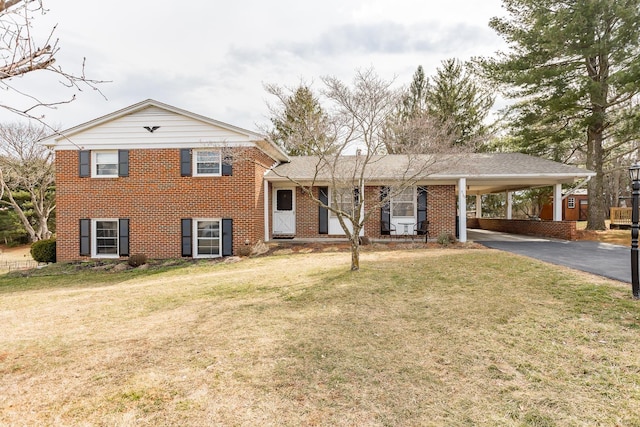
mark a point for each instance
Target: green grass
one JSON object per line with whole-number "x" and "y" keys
{"x": 473, "y": 337}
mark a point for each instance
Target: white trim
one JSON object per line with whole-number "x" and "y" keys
{"x": 266, "y": 210}
{"x": 402, "y": 222}
{"x": 94, "y": 163}
{"x": 64, "y": 140}
{"x": 154, "y": 145}
{"x": 94, "y": 238}
{"x": 334, "y": 227}
{"x": 194, "y": 232}
{"x": 291, "y": 215}
{"x": 462, "y": 206}
{"x": 152, "y": 103}
{"x": 557, "y": 202}
{"x": 194, "y": 161}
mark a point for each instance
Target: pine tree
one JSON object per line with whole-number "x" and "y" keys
{"x": 574, "y": 74}
{"x": 302, "y": 117}
{"x": 458, "y": 101}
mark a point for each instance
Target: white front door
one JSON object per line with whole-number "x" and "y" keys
{"x": 284, "y": 212}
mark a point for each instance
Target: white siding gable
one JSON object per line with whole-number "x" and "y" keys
{"x": 175, "y": 131}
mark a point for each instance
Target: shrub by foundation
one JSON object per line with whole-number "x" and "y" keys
{"x": 137, "y": 260}
{"x": 44, "y": 250}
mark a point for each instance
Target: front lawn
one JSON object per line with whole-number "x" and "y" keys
{"x": 417, "y": 337}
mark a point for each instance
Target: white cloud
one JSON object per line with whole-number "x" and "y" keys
{"x": 213, "y": 57}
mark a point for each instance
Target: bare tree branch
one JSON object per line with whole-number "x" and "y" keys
{"x": 353, "y": 155}
{"x": 21, "y": 54}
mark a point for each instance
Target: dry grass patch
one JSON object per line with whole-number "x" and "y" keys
{"x": 437, "y": 337}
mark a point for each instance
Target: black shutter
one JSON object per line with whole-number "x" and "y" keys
{"x": 85, "y": 237}
{"x": 227, "y": 165}
{"x": 323, "y": 213}
{"x": 227, "y": 237}
{"x": 385, "y": 211}
{"x": 84, "y": 163}
{"x": 185, "y": 162}
{"x": 187, "y": 240}
{"x": 422, "y": 204}
{"x": 123, "y": 236}
{"x": 123, "y": 162}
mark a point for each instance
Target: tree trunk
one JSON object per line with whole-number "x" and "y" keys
{"x": 355, "y": 251}
{"x": 598, "y": 71}
{"x": 595, "y": 162}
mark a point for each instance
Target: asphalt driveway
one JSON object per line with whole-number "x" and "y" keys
{"x": 603, "y": 259}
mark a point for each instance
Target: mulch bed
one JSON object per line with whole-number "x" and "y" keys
{"x": 284, "y": 247}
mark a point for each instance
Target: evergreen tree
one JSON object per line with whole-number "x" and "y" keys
{"x": 454, "y": 104}
{"x": 458, "y": 101}
{"x": 302, "y": 117}
{"x": 573, "y": 70}
{"x": 415, "y": 101}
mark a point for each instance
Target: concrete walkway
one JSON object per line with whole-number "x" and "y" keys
{"x": 603, "y": 259}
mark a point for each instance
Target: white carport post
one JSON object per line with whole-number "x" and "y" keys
{"x": 462, "y": 209}
{"x": 557, "y": 202}
{"x": 509, "y": 205}
{"x": 266, "y": 210}
{"x": 478, "y": 205}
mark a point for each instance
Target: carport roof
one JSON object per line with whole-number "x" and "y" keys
{"x": 485, "y": 172}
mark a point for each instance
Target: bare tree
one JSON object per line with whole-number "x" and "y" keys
{"x": 21, "y": 54}
{"x": 350, "y": 152}
{"x": 27, "y": 166}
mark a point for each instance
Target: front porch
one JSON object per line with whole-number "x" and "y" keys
{"x": 439, "y": 197}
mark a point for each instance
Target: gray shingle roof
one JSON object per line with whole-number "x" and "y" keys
{"x": 431, "y": 167}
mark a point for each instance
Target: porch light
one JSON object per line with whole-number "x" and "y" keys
{"x": 634, "y": 174}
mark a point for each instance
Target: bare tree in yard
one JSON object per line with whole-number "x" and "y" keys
{"x": 26, "y": 166}
{"x": 21, "y": 54}
{"x": 356, "y": 120}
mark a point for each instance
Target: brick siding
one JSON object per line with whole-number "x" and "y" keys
{"x": 441, "y": 212}
{"x": 556, "y": 229}
{"x": 154, "y": 197}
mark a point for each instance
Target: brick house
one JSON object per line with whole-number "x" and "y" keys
{"x": 155, "y": 179}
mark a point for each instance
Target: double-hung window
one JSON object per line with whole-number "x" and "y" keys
{"x": 403, "y": 203}
{"x": 343, "y": 200}
{"x": 105, "y": 164}
{"x": 207, "y": 162}
{"x": 208, "y": 241}
{"x": 104, "y": 237}
{"x": 105, "y": 232}
{"x": 571, "y": 202}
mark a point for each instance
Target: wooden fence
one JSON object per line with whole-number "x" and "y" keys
{"x": 620, "y": 216}
{"x": 7, "y": 265}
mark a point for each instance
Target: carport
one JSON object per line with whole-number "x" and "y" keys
{"x": 482, "y": 174}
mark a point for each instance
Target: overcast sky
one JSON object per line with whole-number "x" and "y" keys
{"x": 213, "y": 57}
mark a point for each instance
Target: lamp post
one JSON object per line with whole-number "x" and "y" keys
{"x": 634, "y": 174}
